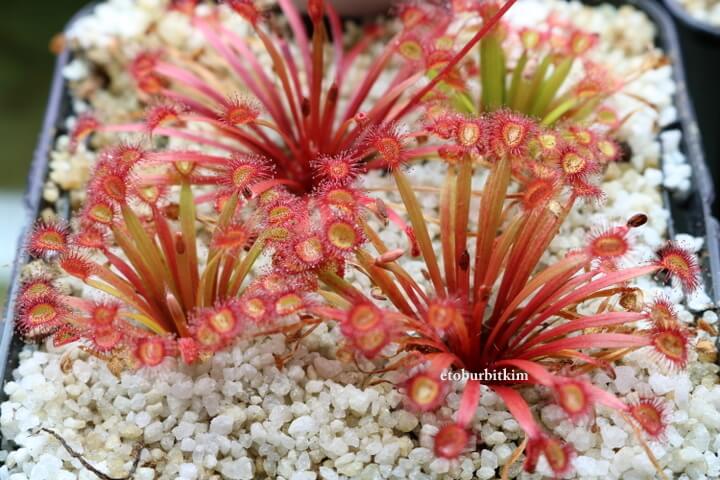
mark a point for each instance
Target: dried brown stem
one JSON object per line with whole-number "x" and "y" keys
{"x": 513, "y": 458}
{"x": 137, "y": 450}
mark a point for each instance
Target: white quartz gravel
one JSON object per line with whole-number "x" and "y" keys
{"x": 238, "y": 417}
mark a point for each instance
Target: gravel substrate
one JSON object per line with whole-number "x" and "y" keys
{"x": 238, "y": 417}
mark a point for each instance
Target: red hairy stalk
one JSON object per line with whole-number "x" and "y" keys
{"x": 651, "y": 415}
{"x": 48, "y": 239}
{"x": 679, "y": 264}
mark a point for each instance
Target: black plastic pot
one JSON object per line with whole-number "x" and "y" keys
{"x": 692, "y": 215}
{"x": 693, "y": 22}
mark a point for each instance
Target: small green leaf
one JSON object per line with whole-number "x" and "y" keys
{"x": 492, "y": 72}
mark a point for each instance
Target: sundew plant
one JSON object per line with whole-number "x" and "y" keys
{"x": 237, "y": 207}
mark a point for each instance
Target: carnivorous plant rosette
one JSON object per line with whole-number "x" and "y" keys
{"x": 489, "y": 303}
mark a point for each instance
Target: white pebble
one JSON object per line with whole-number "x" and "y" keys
{"x": 302, "y": 426}
{"x": 221, "y": 425}
{"x": 188, "y": 471}
{"x": 242, "y": 469}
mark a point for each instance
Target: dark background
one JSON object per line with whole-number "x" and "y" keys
{"x": 702, "y": 67}
{"x": 26, "y": 65}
